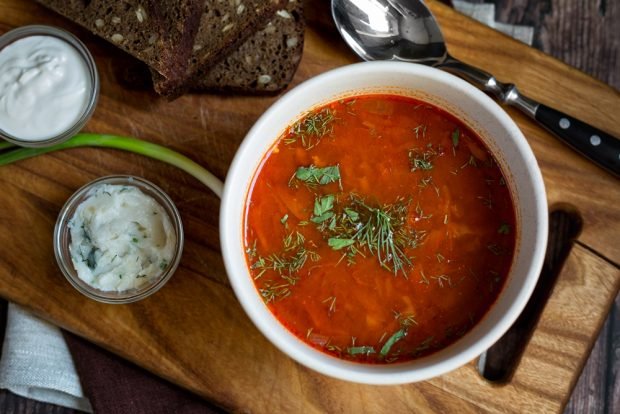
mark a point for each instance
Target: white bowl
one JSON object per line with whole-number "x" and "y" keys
{"x": 471, "y": 106}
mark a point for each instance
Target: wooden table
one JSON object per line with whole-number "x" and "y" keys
{"x": 194, "y": 332}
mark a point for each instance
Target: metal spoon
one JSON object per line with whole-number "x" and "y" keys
{"x": 405, "y": 30}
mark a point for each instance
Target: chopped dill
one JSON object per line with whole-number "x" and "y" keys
{"x": 332, "y": 303}
{"x": 424, "y": 182}
{"x": 422, "y": 158}
{"x": 251, "y": 251}
{"x": 405, "y": 319}
{"x": 420, "y": 213}
{"x": 471, "y": 162}
{"x": 417, "y": 130}
{"x": 441, "y": 279}
{"x": 272, "y": 292}
{"x": 288, "y": 262}
{"x": 312, "y": 128}
{"x": 358, "y": 227}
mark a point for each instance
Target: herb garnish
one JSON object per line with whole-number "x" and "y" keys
{"x": 270, "y": 292}
{"x": 312, "y": 128}
{"x": 422, "y": 159}
{"x": 456, "y": 134}
{"x": 323, "y": 207}
{"x": 287, "y": 263}
{"x": 380, "y": 230}
{"x": 397, "y": 336}
{"x": 338, "y": 244}
{"x": 91, "y": 260}
{"x": 361, "y": 350}
{"x": 332, "y": 304}
{"x": 504, "y": 228}
{"x": 418, "y": 129}
{"x": 471, "y": 162}
{"x": 313, "y": 176}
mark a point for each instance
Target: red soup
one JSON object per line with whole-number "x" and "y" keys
{"x": 379, "y": 229}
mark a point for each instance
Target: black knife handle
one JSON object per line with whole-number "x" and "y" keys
{"x": 593, "y": 143}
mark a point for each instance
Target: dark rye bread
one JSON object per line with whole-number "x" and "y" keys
{"x": 224, "y": 25}
{"x": 160, "y": 33}
{"x": 266, "y": 62}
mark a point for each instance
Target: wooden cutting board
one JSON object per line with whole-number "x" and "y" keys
{"x": 194, "y": 333}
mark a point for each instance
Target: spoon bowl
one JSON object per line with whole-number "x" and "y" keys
{"x": 389, "y": 30}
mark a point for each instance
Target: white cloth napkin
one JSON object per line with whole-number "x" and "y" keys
{"x": 485, "y": 13}
{"x": 36, "y": 362}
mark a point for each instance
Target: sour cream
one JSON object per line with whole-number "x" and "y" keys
{"x": 121, "y": 238}
{"x": 45, "y": 87}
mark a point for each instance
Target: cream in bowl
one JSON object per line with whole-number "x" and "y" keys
{"x": 48, "y": 85}
{"x": 391, "y": 223}
{"x": 118, "y": 239}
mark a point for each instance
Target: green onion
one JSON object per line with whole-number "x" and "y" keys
{"x": 398, "y": 335}
{"x": 360, "y": 350}
{"x": 130, "y": 144}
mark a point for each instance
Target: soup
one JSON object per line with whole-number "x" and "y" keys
{"x": 379, "y": 229}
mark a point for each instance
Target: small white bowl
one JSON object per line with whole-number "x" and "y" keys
{"x": 19, "y": 33}
{"x": 478, "y": 111}
{"x": 62, "y": 240}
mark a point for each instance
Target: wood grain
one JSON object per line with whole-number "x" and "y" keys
{"x": 194, "y": 333}
{"x": 582, "y": 33}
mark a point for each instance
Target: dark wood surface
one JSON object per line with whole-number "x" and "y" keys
{"x": 584, "y": 34}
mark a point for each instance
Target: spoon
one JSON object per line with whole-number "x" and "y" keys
{"x": 405, "y": 30}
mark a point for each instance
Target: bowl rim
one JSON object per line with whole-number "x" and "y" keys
{"x": 22, "y": 32}
{"x": 61, "y": 249}
{"x": 389, "y": 374}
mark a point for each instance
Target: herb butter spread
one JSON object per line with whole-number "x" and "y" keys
{"x": 121, "y": 238}
{"x": 44, "y": 87}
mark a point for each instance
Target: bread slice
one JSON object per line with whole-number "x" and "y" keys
{"x": 160, "y": 33}
{"x": 224, "y": 25}
{"x": 266, "y": 62}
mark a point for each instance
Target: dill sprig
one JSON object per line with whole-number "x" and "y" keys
{"x": 358, "y": 227}
{"x": 286, "y": 264}
{"x": 272, "y": 291}
{"x": 422, "y": 158}
{"x": 310, "y": 129}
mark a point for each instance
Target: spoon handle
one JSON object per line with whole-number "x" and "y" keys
{"x": 600, "y": 147}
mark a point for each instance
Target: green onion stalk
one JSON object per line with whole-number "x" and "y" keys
{"x": 138, "y": 146}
